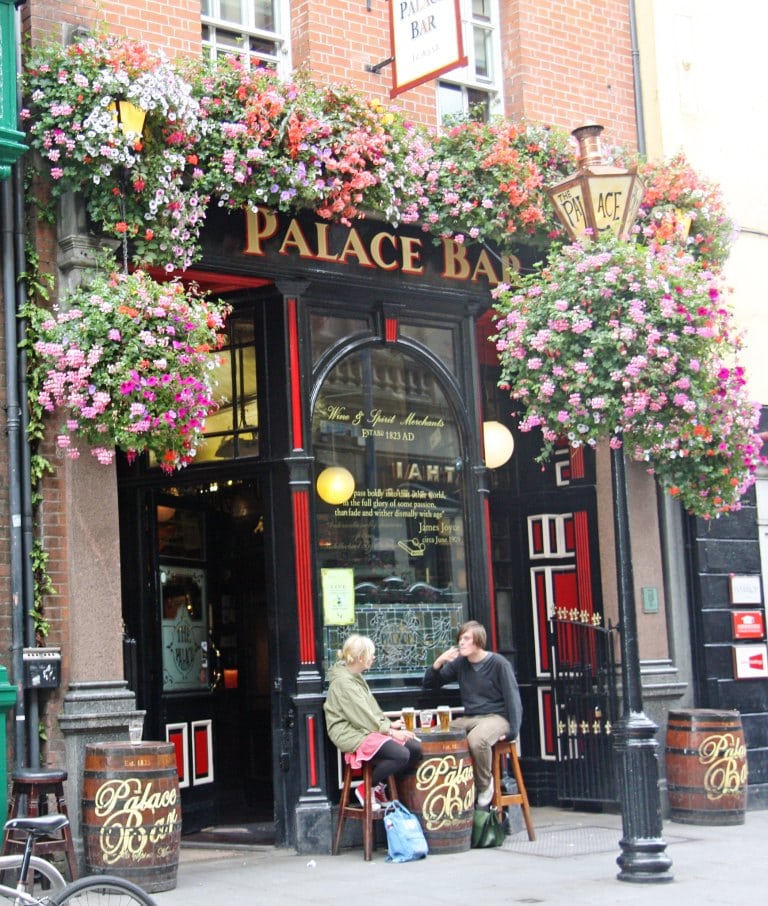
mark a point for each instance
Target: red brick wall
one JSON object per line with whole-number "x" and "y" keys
{"x": 564, "y": 63}
{"x": 171, "y": 27}
{"x": 335, "y": 41}
{"x": 570, "y": 64}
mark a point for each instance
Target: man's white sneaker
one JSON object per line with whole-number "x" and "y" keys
{"x": 484, "y": 798}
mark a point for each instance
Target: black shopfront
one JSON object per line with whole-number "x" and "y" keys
{"x": 348, "y": 347}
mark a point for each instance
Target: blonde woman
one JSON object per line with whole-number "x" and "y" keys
{"x": 359, "y": 728}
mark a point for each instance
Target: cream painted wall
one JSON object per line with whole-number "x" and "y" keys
{"x": 705, "y": 91}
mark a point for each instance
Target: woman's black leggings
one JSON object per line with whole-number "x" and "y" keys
{"x": 394, "y": 758}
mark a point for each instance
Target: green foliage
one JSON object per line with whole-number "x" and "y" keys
{"x": 43, "y": 586}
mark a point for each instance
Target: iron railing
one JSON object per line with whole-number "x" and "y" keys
{"x": 586, "y": 708}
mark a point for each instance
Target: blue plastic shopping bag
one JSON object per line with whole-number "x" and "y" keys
{"x": 405, "y": 838}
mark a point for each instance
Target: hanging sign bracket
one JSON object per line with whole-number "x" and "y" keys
{"x": 377, "y": 67}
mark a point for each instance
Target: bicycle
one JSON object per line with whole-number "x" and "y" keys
{"x": 39, "y": 883}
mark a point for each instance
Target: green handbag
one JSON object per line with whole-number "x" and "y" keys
{"x": 487, "y": 829}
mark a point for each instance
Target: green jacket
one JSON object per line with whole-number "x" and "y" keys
{"x": 351, "y": 711}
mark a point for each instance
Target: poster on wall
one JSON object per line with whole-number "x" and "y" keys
{"x": 338, "y": 587}
{"x": 426, "y": 41}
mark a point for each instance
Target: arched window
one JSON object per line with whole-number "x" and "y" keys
{"x": 392, "y": 557}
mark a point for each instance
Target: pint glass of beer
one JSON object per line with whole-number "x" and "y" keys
{"x": 426, "y": 719}
{"x": 409, "y": 719}
{"x": 444, "y": 718}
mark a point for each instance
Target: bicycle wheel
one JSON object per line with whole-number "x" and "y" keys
{"x": 46, "y": 879}
{"x": 102, "y": 890}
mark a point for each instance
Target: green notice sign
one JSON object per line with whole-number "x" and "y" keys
{"x": 11, "y": 140}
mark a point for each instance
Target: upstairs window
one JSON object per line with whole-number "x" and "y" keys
{"x": 255, "y": 29}
{"x": 475, "y": 89}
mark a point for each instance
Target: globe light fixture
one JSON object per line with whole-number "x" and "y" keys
{"x": 335, "y": 485}
{"x": 498, "y": 443}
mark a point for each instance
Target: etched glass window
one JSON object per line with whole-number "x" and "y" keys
{"x": 184, "y": 621}
{"x": 392, "y": 557}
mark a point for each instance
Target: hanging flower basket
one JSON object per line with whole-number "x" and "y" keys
{"x": 615, "y": 341}
{"x": 291, "y": 144}
{"x": 139, "y": 181}
{"x": 246, "y": 137}
{"x": 683, "y": 209}
{"x": 486, "y": 182}
{"x": 130, "y": 362}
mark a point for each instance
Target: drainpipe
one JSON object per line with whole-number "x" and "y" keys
{"x": 638, "y": 85}
{"x": 12, "y": 218}
{"x": 13, "y": 423}
{"x": 25, "y": 454}
{"x": 25, "y": 467}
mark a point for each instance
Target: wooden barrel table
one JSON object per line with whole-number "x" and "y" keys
{"x": 706, "y": 761}
{"x": 131, "y": 822}
{"x": 442, "y": 791}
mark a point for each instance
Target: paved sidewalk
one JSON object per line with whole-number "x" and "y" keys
{"x": 573, "y": 862}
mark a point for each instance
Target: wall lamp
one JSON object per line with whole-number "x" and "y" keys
{"x": 498, "y": 443}
{"x": 335, "y": 485}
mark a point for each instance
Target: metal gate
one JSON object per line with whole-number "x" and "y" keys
{"x": 585, "y": 702}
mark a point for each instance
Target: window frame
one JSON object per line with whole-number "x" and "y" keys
{"x": 465, "y": 78}
{"x": 280, "y": 60}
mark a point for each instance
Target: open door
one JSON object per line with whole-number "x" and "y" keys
{"x": 203, "y": 654}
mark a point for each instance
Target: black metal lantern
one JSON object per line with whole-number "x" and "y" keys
{"x": 598, "y": 197}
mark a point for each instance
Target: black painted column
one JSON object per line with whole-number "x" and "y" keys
{"x": 643, "y": 858}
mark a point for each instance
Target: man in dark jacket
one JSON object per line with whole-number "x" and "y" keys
{"x": 489, "y": 694}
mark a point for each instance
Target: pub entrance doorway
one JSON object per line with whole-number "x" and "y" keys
{"x": 202, "y": 665}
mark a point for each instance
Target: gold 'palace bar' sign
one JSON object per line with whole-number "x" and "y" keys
{"x": 372, "y": 246}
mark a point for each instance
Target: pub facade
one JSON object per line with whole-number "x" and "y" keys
{"x": 349, "y": 348}
{"x": 343, "y": 484}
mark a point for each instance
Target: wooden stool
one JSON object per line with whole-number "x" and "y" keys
{"x": 502, "y": 749}
{"x": 359, "y": 813}
{"x": 31, "y": 788}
